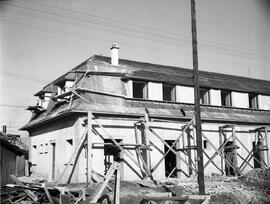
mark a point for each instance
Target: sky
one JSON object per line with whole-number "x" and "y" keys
{"x": 42, "y": 39}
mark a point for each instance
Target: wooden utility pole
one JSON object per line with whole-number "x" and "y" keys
{"x": 197, "y": 100}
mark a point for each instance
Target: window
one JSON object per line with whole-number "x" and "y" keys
{"x": 226, "y": 99}
{"x": 69, "y": 150}
{"x": 204, "y": 96}
{"x": 205, "y": 144}
{"x": 140, "y": 89}
{"x": 168, "y": 92}
{"x": 253, "y": 100}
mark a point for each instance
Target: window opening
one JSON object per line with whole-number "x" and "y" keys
{"x": 253, "y": 100}
{"x": 140, "y": 89}
{"x": 204, "y": 96}
{"x": 205, "y": 144}
{"x": 168, "y": 92}
{"x": 226, "y": 99}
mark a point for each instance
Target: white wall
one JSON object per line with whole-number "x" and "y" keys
{"x": 129, "y": 88}
{"x": 264, "y": 102}
{"x": 184, "y": 94}
{"x": 155, "y": 91}
{"x": 215, "y": 97}
{"x": 240, "y": 100}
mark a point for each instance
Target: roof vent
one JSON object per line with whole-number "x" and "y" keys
{"x": 114, "y": 54}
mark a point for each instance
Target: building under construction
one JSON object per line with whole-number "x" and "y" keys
{"x": 108, "y": 109}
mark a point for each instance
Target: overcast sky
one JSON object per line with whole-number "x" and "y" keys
{"x": 43, "y": 39}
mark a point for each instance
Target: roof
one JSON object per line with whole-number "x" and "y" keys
{"x": 18, "y": 148}
{"x": 118, "y": 104}
{"x": 184, "y": 76}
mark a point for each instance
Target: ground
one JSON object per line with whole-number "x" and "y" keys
{"x": 252, "y": 188}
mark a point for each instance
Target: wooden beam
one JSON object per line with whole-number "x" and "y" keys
{"x": 221, "y": 158}
{"x": 267, "y": 143}
{"x": 28, "y": 192}
{"x": 89, "y": 147}
{"x": 170, "y": 148}
{"x": 121, "y": 148}
{"x": 145, "y": 141}
{"x": 174, "y": 143}
{"x": 74, "y": 154}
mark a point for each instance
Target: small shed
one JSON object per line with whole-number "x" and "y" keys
{"x": 13, "y": 159}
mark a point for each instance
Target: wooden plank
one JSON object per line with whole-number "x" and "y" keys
{"x": 75, "y": 153}
{"x": 217, "y": 151}
{"x": 48, "y": 195}
{"x": 121, "y": 148}
{"x": 170, "y": 148}
{"x": 174, "y": 143}
{"x": 212, "y": 162}
{"x": 114, "y": 166}
{"x": 28, "y": 192}
{"x": 117, "y": 187}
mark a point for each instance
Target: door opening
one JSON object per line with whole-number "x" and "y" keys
{"x": 53, "y": 161}
{"x": 230, "y": 157}
{"x": 111, "y": 153}
{"x": 170, "y": 161}
{"x": 257, "y": 155}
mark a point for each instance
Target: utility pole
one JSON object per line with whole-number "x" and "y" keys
{"x": 197, "y": 100}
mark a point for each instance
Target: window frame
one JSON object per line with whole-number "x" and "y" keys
{"x": 144, "y": 89}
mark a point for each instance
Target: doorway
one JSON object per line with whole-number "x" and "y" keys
{"x": 230, "y": 156}
{"x": 53, "y": 161}
{"x": 170, "y": 160}
{"x": 111, "y": 153}
{"x": 257, "y": 155}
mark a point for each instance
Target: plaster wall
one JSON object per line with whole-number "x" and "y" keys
{"x": 155, "y": 91}
{"x": 240, "y": 100}
{"x": 123, "y": 129}
{"x": 41, "y": 151}
{"x": 264, "y": 102}
{"x": 215, "y": 97}
{"x": 184, "y": 94}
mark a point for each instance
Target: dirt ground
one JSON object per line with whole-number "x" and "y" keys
{"x": 252, "y": 188}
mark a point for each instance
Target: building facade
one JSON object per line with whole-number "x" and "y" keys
{"x": 142, "y": 115}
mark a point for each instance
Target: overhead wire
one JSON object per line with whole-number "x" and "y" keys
{"x": 176, "y": 35}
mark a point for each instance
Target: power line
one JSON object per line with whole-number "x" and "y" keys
{"x": 12, "y": 106}
{"x": 186, "y": 38}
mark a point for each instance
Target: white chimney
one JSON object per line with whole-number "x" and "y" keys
{"x": 114, "y": 54}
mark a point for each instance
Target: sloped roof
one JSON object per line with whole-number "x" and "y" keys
{"x": 128, "y": 69}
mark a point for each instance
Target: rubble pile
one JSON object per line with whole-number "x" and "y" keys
{"x": 257, "y": 176}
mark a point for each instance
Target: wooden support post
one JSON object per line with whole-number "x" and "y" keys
{"x": 267, "y": 144}
{"x": 117, "y": 187}
{"x": 222, "y": 152}
{"x": 235, "y": 150}
{"x": 189, "y": 151}
{"x": 145, "y": 141}
{"x": 197, "y": 100}
{"x": 89, "y": 147}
